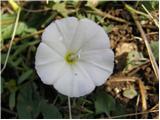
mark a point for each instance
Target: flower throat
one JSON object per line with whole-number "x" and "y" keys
{"x": 71, "y": 57}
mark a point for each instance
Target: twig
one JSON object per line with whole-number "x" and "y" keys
{"x": 8, "y": 111}
{"x": 69, "y": 107}
{"x": 151, "y": 56}
{"x": 122, "y": 79}
{"x": 18, "y": 39}
{"x": 149, "y": 27}
{"x": 133, "y": 114}
{"x": 87, "y": 110}
{"x": 152, "y": 33}
{"x": 55, "y": 100}
{"x": 137, "y": 103}
{"x": 108, "y": 115}
{"x": 13, "y": 35}
{"x": 143, "y": 97}
{"x": 135, "y": 69}
{"x": 106, "y": 15}
{"x": 154, "y": 107}
{"x": 155, "y": 20}
{"x": 36, "y": 11}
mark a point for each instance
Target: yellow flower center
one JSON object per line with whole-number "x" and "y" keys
{"x": 71, "y": 57}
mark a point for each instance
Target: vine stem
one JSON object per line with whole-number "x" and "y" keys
{"x": 13, "y": 35}
{"x": 69, "y": 107}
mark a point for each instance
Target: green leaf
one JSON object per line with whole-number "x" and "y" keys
{"x": 62, "y": 98}
{"x": 7, "y": 29}
{"x": 108, "y": 28}
{"x": 25, "y": 76}
{"x": 11, "y": 85}
{"x": 21, "y": 28}
{"x": 61, "y": 8}
{"x": 130, "y": 92}
{"x": 12, "y": 99}
{"x": 49, "y": 111}
{"x": 21, "y": 48}
{"x": 134, "y": 59}
{"x": 104, "y": 103}
{"x": 28, "y": 102}
{"x": 155, "y": 48}
{"x": 8, "y": 16}
{"x": 120, "y": 110}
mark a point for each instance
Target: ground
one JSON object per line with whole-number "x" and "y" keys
{"x": 132, "y": 91}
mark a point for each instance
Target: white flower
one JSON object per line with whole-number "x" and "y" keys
{"x": 74, "y": 56}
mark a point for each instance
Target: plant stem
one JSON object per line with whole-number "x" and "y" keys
{"x": 13, "y": 35}
{"x": 130, "y": 9}
{"x": 69, "y": 107}
{"x": 105, "y": 15}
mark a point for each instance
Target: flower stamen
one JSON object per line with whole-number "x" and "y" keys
{"x": 71, "y": 57}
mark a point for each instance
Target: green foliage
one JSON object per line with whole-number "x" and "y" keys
{"x": 21, "y": 30}
{"x": 130, "y": 92}
{"x": 8, "y": 17}
{"x": 28, "y": 102}
{"x": 151, "y": 4}
{"x": 134, "y": 59}
{"x": 155, "y": 49}
{"x": 104, "y": 103}
{"x": 11, "y": 85}
{"x": 120, "y": 110}
{"x": 108, "y": 28}
{"x": 24, "y": 76}
{"x": 12, "y": 100}
{"x": 49, "y": 111}
{"x": 61, "y": 8}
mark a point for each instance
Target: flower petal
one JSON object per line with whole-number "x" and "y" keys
{"x": 75, "y": 82}
{"x": 46, "y": 55}
{"x": 64, "y": 84}
{"x": 102, "y": 58}
{"x": 98, "y": 64}
{"x": 98, "y": 75}
{"x": 49, "y": 73}
{"x": 53, "y": 38}
{"x": 82, "y": 83}
{"x": 89, "y": 35}
{"x": 67, "y": 27}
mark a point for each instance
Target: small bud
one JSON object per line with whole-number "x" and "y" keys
{"x": 14, "y": 5}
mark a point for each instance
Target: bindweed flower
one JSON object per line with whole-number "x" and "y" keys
{"x": 74, "y": 56}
